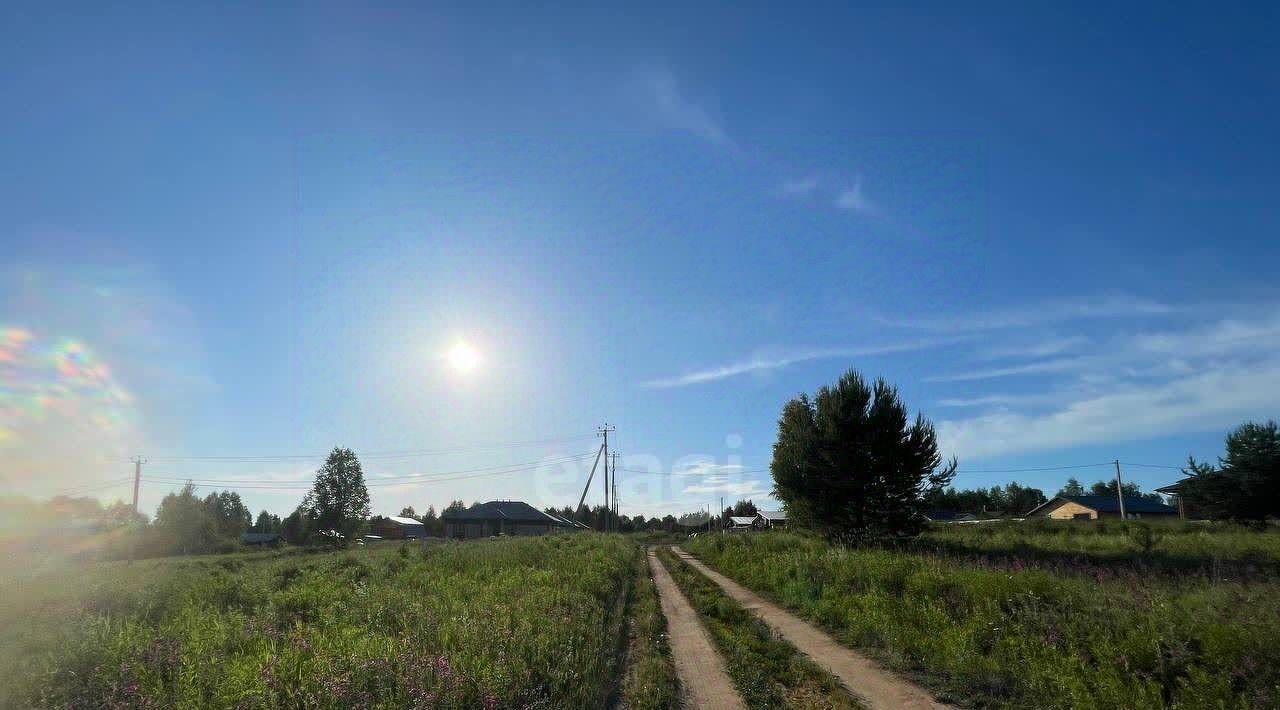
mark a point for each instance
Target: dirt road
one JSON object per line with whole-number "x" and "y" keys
{"x": 701, "y": 670}
{"x": 876, "y": 687}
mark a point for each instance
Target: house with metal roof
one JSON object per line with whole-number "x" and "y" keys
{"x": 398, "y": 528}
{"x": 740, "y": 522}
{"x": 771, "y": 519}
{"x": 259, "y": 538}
{"x": 1096, "y": 507}
{"x": 503, "y": 517}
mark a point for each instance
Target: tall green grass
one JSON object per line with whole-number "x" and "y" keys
{"x": 1220, "y": 549}
{"x": 1027, "y": 636}
{"x": 531, "y": 623}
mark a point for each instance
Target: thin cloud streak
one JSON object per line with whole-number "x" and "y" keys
{"x": 1034, "y": 368}
{"x": 761, "y": 363}
{"x": 742, "y": 488}
{"x": 663, "y": 92}
{"x": 1115, "y": 307}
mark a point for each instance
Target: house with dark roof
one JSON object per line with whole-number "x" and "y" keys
{"x": 949, "y": 516}
{"x": 1096, "y": 507}
{"x": 503, "y": 517}
{"x": 259, "y": 538}
{"x": 399, "y": 528}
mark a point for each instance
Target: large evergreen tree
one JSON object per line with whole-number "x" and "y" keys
{"x": 851, "y": 462}
{"x": 1245, "y": 485}
{"x": 1131, "y": 490}
{"x": 339, "y": 500}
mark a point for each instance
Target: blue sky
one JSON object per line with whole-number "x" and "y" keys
{"x": 234, "y": 232}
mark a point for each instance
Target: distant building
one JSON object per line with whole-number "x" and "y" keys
{"x": 771, "y": 519}
{"x": 949, "y": 516}
{"x": 1095, "y": 507}
{"x": 740, "y": 522}
{"x": 398, "y": 528}
{"x": 503, "y": 517}
{"x": 259, "y": 538}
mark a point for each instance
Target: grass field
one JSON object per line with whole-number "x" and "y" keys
{"x": 1035, "y": 632}
{"x": 527, "y": 623}
{"x": 1219, "y": 549}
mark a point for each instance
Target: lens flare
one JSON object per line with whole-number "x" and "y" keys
{"x": 62, "y": 380}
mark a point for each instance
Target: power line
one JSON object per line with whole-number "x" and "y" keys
{"x": 1153, "y": 465}
{"x": 304, "y": 487}
{"x": 1030, "y": 470}
{"x": 89, "y": 487}
{"x": 404, "y": 453}
{"x": 693, "y": 473}
{"x": 385, "y": 480}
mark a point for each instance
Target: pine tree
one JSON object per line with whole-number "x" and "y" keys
{"x": 1245, "y": 485}
{"x": 850, "y": 463}
{"x": 339, "y": 499}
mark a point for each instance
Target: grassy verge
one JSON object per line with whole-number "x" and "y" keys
{"x": 1026, "y": 637}
{"x": 529, "y": 623}
{"x": 767, "y": 671}
{"x": 1220, "y": 550}
{"x": 649, "y": 681}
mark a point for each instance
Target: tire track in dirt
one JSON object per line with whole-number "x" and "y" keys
{"x": 699, "y": 665}
{"x": 876, "y": 687}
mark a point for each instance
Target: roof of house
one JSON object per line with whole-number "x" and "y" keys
{"x": 515, "y": 511}
{"x": 774, "y": 514}
{"x": 567, "y": 521}
{"x": 741, "y": 519}
{"x": 946, "y": 515}
{"x": 402, "y": 520}
{"x": 1110, "y": 504}
{"x": 1173, "y": 488}
{"x": 257, "y": 537}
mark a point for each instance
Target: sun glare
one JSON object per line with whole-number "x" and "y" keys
{"x": 463, "y": 358}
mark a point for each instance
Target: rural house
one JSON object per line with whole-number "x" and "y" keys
{"x": 260, "y": 538}
{"x": 771, "y": 519}
{"x": 1095, "y": 507}
{"x": 949, "y": 516}
{"x": 502, "y": 517}
{"x": 398, "y": 528}
{"x": 740, "y": 522}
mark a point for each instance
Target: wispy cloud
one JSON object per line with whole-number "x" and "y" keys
{"x": 737, "y": 488}
{"x": 1130, "y": 385}
{"x": 853, "y": 199}
{"x": 1210, "y": 400}
{"x": 1031, "y": 368}
{"x": 663, "y": 92}
{"x": 762, "y": 362}
{"x": 801, "y": 187}
{"x": 1042, "y": 347}
{"x": 1113, "y": 307}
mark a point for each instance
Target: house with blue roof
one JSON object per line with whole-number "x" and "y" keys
{"x": 1099, "y": 507}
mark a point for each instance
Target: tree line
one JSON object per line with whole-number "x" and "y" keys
{"x": 851, "y": 462}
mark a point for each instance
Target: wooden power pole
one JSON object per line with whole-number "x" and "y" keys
{"x": 1120, "y": 490}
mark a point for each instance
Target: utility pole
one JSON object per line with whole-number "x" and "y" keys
{"x": 137, "y": 480}
{"x": 1120, "y": 490}
{"x": 604, "y": 431}
{"x": 616, "y": 508}
{"x": 722, "y": 510}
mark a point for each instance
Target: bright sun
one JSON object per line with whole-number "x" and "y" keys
{"x": 463, "y": 358}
